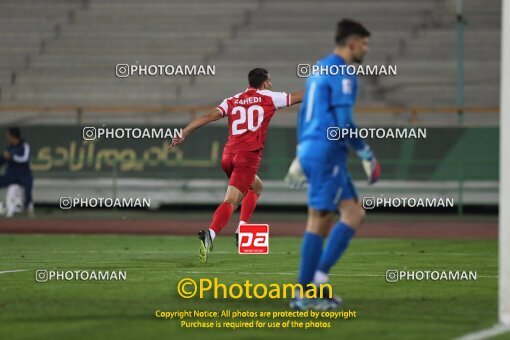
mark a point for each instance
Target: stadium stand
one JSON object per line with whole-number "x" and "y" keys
{"x": 25, "y": 30}
{"x": 63, "y": 53}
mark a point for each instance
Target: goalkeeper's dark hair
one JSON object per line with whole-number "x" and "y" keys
{"x": 14, "y": 132}
{"x": 257, "y": 77}
{"x": 347, "y": 28}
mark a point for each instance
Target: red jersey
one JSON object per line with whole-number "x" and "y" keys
{"x": 249, "y": 114}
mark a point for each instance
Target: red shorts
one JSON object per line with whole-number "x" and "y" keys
{"x": 241, "y": 167}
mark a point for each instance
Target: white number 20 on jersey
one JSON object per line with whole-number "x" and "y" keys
{"x": 246, "y": 116}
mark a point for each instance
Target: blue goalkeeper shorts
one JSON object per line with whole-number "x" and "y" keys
{"x": 329, "y": 181}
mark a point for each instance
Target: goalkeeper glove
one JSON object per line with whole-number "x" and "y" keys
{"x": 295, "y": 178}
{"x": 370, "y": 164}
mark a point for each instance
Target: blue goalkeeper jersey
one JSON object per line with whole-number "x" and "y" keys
{"x": 325, "y": 93}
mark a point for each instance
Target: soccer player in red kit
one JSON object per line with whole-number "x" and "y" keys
{"x": 248, "y": 113}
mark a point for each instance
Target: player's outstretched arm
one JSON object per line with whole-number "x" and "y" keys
{"x": 196, "y": 123}
{"x": 368, "y": 160}
{"x": 296, "y": 97}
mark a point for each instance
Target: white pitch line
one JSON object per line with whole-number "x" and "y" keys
{"x": 486, "y": 333}
{"x": 13, "y": 271}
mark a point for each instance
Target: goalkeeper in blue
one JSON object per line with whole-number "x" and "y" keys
{"x": 322, "y": 162}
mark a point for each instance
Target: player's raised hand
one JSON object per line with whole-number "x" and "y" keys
{"x": 176, "y": 141}
{"x": 370, "y": 164}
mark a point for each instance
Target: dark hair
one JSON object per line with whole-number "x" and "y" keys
{"x": 15, "y": 132}
{"x": 346, "y": 28}
{"x": 257, "y": 77}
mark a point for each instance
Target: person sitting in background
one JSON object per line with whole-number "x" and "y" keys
{"x": 17, "y": 157}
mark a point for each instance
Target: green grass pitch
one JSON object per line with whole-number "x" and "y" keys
{"x": 154, "y": 265}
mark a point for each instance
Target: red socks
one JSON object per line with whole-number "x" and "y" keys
{"x": 225, "y": 210}
{"x": 221, "y": 216}
{"x": 248, "y": 205}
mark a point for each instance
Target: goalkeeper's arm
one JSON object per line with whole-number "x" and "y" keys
{"x": 370, "y": 164}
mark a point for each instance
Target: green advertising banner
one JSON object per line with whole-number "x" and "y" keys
{"x": 62, "y": 152}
